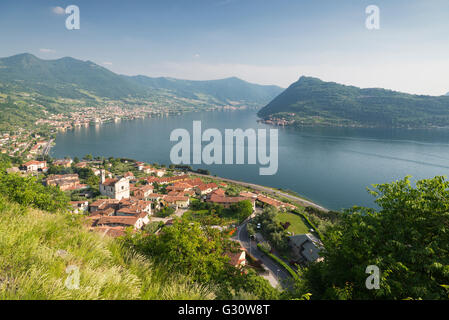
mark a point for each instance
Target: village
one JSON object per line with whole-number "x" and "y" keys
{"x": 120, "y": 196}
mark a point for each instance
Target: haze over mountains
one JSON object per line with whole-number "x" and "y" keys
{"x": 72, "y": 78}
{"x": 311, "y": 101}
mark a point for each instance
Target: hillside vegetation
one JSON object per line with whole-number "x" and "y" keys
{"x": 75, "y": 79}
{"x": 310, "y": 101}
{"x": 407, "y": 239}
{"x": 39, "y": 241}
{"x": 37, "y": 247}
{"x": 42, "y": 245}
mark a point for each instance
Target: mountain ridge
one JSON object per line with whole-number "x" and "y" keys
{"x": 68, "y": 77}
{"x": 311, "y": 101}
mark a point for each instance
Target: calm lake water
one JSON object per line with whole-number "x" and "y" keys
{"x": 331, "y": 166}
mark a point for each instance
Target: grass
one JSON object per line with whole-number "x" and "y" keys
{"x": 297, "y": 225}
{"x": 36, "y": 248}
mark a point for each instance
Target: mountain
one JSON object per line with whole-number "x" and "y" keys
{"x": 229, "y": 89}
{"x": 72, "y": 78}
{"x": 66, "y": 77}
{"x": 311, "y": 101}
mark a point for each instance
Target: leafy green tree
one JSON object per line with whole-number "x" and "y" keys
{"x": 242, "y": 209}
{"x": 407, "y": 239}
{"x": 165, "y": 212}
{"x": 200, "y": 252}
{"x": 187, "y": 248}
{"x": 29, "y": 192}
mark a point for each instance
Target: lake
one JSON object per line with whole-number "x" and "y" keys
{"x": 330, "y": 166}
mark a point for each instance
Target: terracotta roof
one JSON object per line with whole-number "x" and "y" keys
{"x": 273, "y": 202}
{"x": 111, "y": 231}
{"x": 182, "y": 185}
{"x": 219, "y": 192}
{"x": 151, "y": 180}
{"x": 173, "y": 179}
{"x": 34, "y": 162}
{"x": 105, "y": 212}
{"x": 100, "y": 202}
{"x": 130, "y": 221}
{"x": 204, "y": 187}
{"x": 104, "y": 203}
{"x": 175, "y": 193}
{"x": 248, "y": 194}
{"x": 175, "y": 198}
{"x": 109, "y": 182}
{"x": 146, "y": 188}
{"x": 129, "y": 210}
{"x": 234, "y": 257}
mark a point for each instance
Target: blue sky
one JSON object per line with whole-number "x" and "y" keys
{"x": 262, "y": 41}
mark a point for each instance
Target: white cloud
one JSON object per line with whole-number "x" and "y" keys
{"x": 197, "y": 55}
{"x": 107, "y": 63}
{"x": 58, "y": 10}
{"x": 44, "y": 50}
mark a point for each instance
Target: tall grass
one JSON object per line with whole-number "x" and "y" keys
{"x": 36, "y": 248}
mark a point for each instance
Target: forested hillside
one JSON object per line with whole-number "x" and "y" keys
{"x": 310, "y": 101}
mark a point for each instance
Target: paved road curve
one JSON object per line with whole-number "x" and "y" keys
{"x": 277, "y": 274}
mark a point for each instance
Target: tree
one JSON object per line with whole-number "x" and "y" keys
{"x": 199, "y": 251}
{"x": 242, "y": 209}
{"x": 407, "y": 239}
{"x": 29, "y": 192}
{"x": 188, "y": 249}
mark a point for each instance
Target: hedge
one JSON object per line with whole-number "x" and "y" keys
{"x": 282, "y": 263}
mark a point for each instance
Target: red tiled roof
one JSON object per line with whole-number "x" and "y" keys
{"x": 111, "y": 231}
{"x": 248, "y": 194}
{"x": 100, "y": 202}
{"x": 273, "y": 202}
{"x": 204, "y": 187}
{"x": 131, "y": 221}
{"x": 109, "y": 182}
{"x": 234, "y": 257}
{"x": 219, "y": 192}
{"x": 34, "y": 162}
{"x": 105, "y": 212}
{"x": 175, "y": 198}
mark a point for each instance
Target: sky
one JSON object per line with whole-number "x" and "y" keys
{"x": 261, "y": 41}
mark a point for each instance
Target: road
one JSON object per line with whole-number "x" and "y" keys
{"x": 295, "y": 199}
{"x": 277, "y": 275}
{"x": 47, "y": 148}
